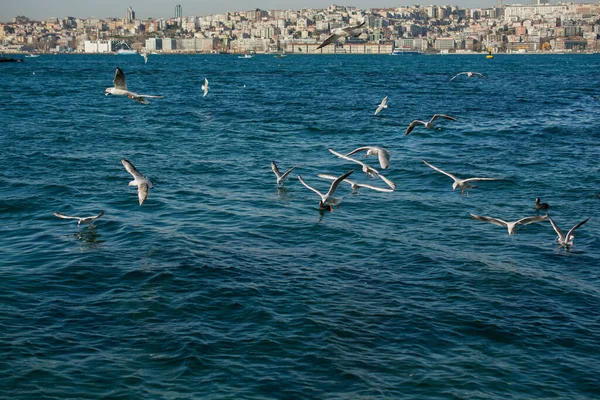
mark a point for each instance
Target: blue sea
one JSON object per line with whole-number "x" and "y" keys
{"x": 223, "y": 285}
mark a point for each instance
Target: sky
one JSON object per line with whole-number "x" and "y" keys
{"x": 42, "y": 9}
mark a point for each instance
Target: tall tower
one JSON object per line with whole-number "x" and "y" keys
{"x": 130, "y": 15}
{"x": 178, "y": 11}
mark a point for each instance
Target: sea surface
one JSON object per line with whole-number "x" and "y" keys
{"x": 223, "y": 285}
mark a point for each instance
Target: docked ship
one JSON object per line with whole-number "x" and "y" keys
{"x": 123, "y": 49}
{"x": 405, "y": 50}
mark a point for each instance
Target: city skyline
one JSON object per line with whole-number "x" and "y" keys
{"x": 40, "y": 9}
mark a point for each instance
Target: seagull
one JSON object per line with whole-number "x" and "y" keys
{"x": 510, "y": 225}
{"x": 382, "y": 105}
{"x": 327, "y": 200}
{"x": 461, "y": 183}
{"x": 205, "y": 87}
{"x": 280, "y": 177}
{"x": 139, "y": 180}
{"x": 370, "y": 171}
{"x": 145, "y": 55}
{"x": 357, "y": 186}
{"x": 120, "y": 89}
{"x": 428, "y": 124}
{"x": 568, "y": 239}
{"x": 80, "y": 220}
{"x": 469, "y": 74}
{"x": 541, "y": 206}
{"x": 338, "y": 33}
{"x": 380, "y": 152}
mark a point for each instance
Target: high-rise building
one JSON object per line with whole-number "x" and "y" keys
{"x": 178, "y": 11}
{"x": 130, "y": 15}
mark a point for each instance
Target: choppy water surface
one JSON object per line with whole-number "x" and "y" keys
{"x": 224, "y": 286}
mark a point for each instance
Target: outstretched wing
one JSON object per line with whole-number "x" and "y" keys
{"x": 275, "y": 170}
{"x": 345, "y": 157}
{"x": 330, "y": 39}
{"x": 142, "y": 192}
{"x": 285, "y": 175}
{"x": 131, "y": 169}
{"x": 556, "y": 229}
{"x": 491, "y": 220}
{"x": 387, "y": 181}
{"x": 531, "y": 220}
{"x": 335, "y": 184}
{"x": 482, "y": 179}
{"x": 439, "y": 170}
{"x": 351, "y": 28}
{"x": 59, "y": 215}
{"x": 379, "y": 189}
{"x": 384, "y": 158}
{"x": 119, "y": 79}
{"x": 570, "y": 234}
{"x": 333, "y": 178}
{"x": 364, "y": 148}
{"x": 413, "y": 124}
{"x": 454, "y": 77}
{"x": 436, "y": 116}
{"x": 480, "y": 74}
{"x": 309, "y": 187}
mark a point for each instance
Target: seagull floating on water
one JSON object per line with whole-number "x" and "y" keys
{"x": 205, "y": 87}
{"x": 327, "y": 200}
{"x": 370, "y": 171}
{"x": 357, "y": 186}
{"x": 120, "y": 89}
{"x": 510, "y": 225}
{"x": 380, "y": 152}
{"x": 541, "y": 206}
{"x": 280, "y": 177}
{"x": 80, "y": 220}
{"x": 382, "y": 105}
{"x": 566, "y": 240}
{"x": 428, "y": 124}
{"x": 338, "y": 33}
{"x": 469, "y": 74}
{"x": 139, "y": 180}
{"x": 461, "y": 183}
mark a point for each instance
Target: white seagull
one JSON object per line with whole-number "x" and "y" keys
{"x": 280, "y": 177}
{"x": 370, "y": 171}
{"x": 357, "y": 186}
{"x": 427, "y": 124}
{"x": 205, "y": 87}
{"x": 382, "y": 105}
{"x": 380, "y": 152}
{"x": 510, "y": 225}
{"x": 327, "y": 200}
{"x": 80, "y": 220}
{"x": 120, "y": 89}
{"x": 139, "y": 180}
{"x": 469, "y": 74}
{"x": 338, "y": 33}
{"x": 145, "y": 55}
{"x": 568, "y": 239}
{"x": 461, "y": 183}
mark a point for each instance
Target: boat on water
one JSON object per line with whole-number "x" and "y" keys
{"x": 405, "y": 51}
{"x": 246, "y": 56}
{"x": 123, "y": 49}
{"x": 32, "y": 55}
{"x": 10, "y": 59}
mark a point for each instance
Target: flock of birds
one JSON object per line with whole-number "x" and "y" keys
{"x": 327, "y": 200}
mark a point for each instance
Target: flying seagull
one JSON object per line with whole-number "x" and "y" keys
{"x": 469, "y": 74}
{"x": 145, "y": 55}
{"x": 428, "y": 124}
{"x": 280, "y": 177}
{"x": 382, "y": 105}
{"x": 205, "y": 87}
{"x": 327, "y": 200}
{"x": 380, "y": 152}
{"x": 510, "y": 225}
{"x": 568, "y": 239}
{"x": 461, "y": 183}
{"x": 338, "y": 33}
{"x": 120, "y": 89}
{"x": 357, "y": 186}
{"x": 80, "y": 220}
{"x": 370, "y": 171}
{"x": 139, "y": 180}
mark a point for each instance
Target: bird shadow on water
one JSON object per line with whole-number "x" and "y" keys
{"x": 88, "y": 237}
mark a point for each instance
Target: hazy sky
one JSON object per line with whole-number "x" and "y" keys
{"x": 42, "y": 9}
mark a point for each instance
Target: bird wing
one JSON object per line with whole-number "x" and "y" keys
{"x": 379, "y": 108}
{"x": 142, "y": 192}
{"x": 309, "y": 187}
{"x": 556, "y": 229}
{"x": 384, "y": 101}
{"x": 413, "y": 124}
{"x": 96, "y": 216}
{"x": 349, "y": 29}
{"x": 570, "y": 233}
{"x": 347, "y": 158}
{"x": 275, "y": 170}
{"x": 436, "y": 116}
{"x": 59, "y": 215}
{"x": 139, "y": 99}
{"x": 330, "y": 39}
{"x": 119, "y": 79}
{"x": 379, "y": 189}
{"x": 460, "y": 73}
{"x": 531, "y": 220}
{"x": 333, "y": 178}
{"x": 480, "y": 74}
{"x": 364, "y": 148}
{"x": 145, "y": 57}
{"x": 439, "y": 170}
{"x": 481, "y": 179}
{"x": 206, "y": 82}
{"x": 335, "y": 184}
{"x": 388, "y": 182}
{"x": 131, "y": 169}
{"x": 147, "y": 96}
{"x": 384, "y": 158}
{"x": 287, "y": 173}
{"x": 491, "y": 220}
